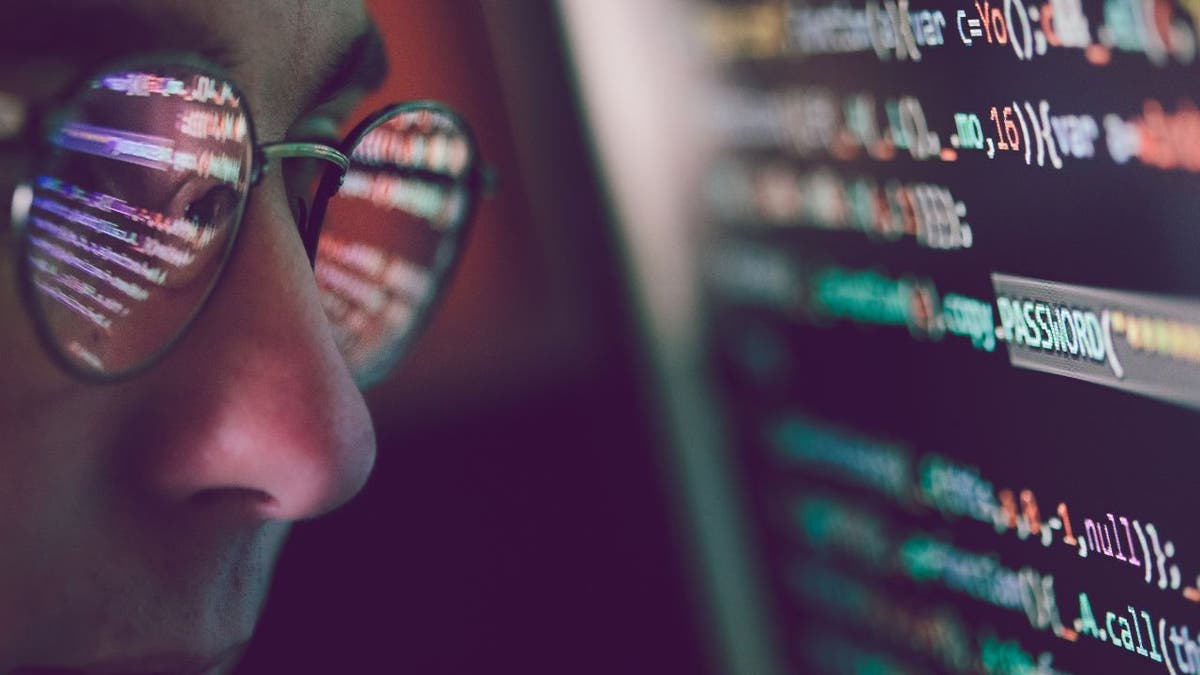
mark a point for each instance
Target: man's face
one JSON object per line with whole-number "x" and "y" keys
{"x": 139, "y": 522}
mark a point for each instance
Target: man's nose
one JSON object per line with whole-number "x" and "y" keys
{"x": 256, "y": 405}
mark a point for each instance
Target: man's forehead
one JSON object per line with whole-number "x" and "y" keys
{"x": 278, "y": 50}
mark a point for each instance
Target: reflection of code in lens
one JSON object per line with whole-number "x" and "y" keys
{"x": 129, "y": 219}
{"x": 390, "y": 232}
{"x": 368, "y": 294}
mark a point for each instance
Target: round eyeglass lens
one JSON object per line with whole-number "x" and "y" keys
{"x": 391, "y": 232}
{"x": 130, "y": 219}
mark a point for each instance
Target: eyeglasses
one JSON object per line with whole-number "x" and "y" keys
{"x": 142, "y": 175}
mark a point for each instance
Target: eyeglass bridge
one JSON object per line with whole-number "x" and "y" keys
{"x": 269, "y": 153}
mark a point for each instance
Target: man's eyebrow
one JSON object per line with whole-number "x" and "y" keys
{"x": 362, "y": 66}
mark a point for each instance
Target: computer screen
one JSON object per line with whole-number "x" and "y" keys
{"x": 949, "y": 272}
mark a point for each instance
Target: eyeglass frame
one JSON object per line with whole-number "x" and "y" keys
{"x": 38, "y": 120}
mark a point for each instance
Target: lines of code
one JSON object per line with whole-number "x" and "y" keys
{"x": 951, "y": 262}
{"x": 1159, "y": 32}
{"x": 1040, "y": 133}
{"x": 837, "y": 527}
{"x": 1137, "y": 342}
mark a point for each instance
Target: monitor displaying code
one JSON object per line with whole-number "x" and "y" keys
{"x": 953, "y": 266}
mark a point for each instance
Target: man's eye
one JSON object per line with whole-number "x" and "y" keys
{"x": 214, "y": 208}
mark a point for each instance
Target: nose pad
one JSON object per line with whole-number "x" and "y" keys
{"x": 300, "y": 214}
{"x": 309, "y": 234}
{"x": 305, "y": 179}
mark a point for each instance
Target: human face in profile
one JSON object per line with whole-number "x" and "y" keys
{"x": 140, "y": 521}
